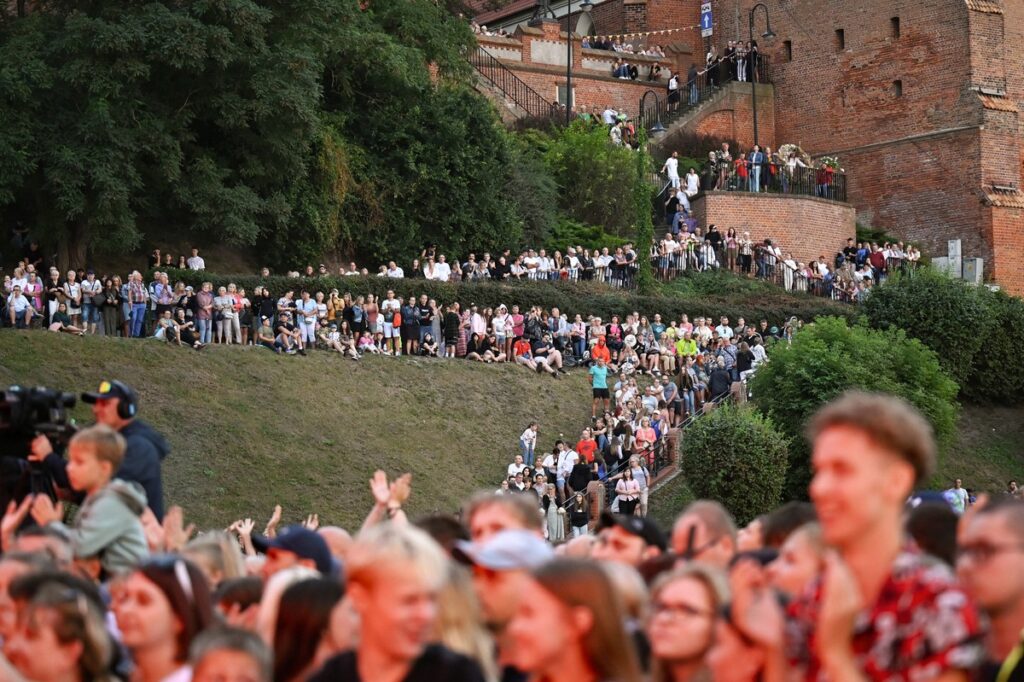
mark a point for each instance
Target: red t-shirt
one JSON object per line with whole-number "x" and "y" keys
{"x": 586, "y": 449}
{"x": 600, "y": 351}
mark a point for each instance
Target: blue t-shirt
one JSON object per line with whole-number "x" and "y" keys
{"x": 600, "y": 375}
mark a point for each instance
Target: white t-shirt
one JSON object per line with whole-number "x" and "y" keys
{"x": 515, "y": 469}
{"x": 442, "y": 272}
{"x": 672, "y": 167}
{"x": 196, "y": 263}
{"x": 529, "y": 437}
{"x": 724, "y": 331}
{"x": 396, "y": 273}
{"x": 692, "y": 183}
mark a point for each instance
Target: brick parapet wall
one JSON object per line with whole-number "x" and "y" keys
{"x": 730, "y": 116}
{"x": 807, "y": 227}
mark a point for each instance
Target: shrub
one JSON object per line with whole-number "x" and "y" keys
{"x": 585, "y": 298}
{"x": 974, "y": 331}
{"x": 738, "y": 457}
{"x": 997, "y": 373}
{"x": 829, "y": 357}
{"x": 567, "y": 232}
{"x": 947, "y": 315}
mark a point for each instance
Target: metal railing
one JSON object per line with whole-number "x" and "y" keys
{"x": 503, "y": 78}
{"x": 693, "y": 93}
{"x": 772, "y": 177}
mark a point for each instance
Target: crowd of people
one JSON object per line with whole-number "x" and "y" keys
{"x": 872, "y": 579}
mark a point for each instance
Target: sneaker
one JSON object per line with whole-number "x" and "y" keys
{"x": 301, "y": 352}
{"x": 290, "y": 351}
{"x": 562, "y": 371}
{"x": 556, "y": 375}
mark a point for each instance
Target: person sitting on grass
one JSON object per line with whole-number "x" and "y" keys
{"x": 330, "y": 339}
{"x": 108, "y": 523}
{"x": 367, "y": 345}
{"x": 288, "y": 335}
{"x": 523, "y": 353}
{"x": 265, "y": 336}
{"x": 186, "y": 330}
{"x": 61, "y": 321}
{"x": 429, "y": 346}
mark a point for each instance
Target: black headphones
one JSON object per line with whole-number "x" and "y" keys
{"x": 128, "y": 406}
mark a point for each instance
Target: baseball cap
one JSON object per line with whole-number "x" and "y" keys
{"x": 109, "y": 390}
{"x": 301, "y": 541}
{"x": 635, "y": 525}
{"x": 507, "y": 550}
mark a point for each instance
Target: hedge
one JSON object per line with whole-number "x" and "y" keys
{"x": 584, "y": 298}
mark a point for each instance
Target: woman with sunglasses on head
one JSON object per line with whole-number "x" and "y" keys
{"x": 61, "y": 635}
{"x": 684, "y": 610}
{"x": 160, "y": 608}
{"x": 569, "y": 626}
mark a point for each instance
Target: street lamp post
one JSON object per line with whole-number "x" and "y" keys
{"x": 768, "y": 33}
{"x": 569, "y": 99}
{"x": 658, "y": 127}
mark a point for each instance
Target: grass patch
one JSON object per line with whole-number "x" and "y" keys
{"x": 668, "y": 501}
{"x": 249, "y": 429}
{"x": 988, "y": 451}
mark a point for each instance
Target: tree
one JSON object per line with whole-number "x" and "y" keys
{"x": 128, "y": 117}
{"x": 738, "y": 457}
{"x": 598, "y": 182}
{"x": 975, "y": 332}
{"x": 829, "y": 357}
{"x": 947, "y": 315}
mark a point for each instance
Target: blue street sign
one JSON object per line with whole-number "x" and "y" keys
{"x": 706, "y": 22}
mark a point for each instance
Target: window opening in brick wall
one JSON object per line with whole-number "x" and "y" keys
{"x": 787, "y": 46}
{"x": 897, "y": 88}
{"x": 560, "y": 95}
{"x": 840, "y": 39}
{"x": 895, "y": 24}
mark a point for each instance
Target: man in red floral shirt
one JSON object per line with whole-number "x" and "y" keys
{"x": 879, "y": 611}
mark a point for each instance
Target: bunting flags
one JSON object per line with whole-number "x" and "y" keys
{"x": 643, "y": 34}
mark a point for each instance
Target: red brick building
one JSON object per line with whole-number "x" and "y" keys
{"x": 920, "y": 99}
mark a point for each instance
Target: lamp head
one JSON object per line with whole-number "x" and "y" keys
{"x": 587, "y": 6}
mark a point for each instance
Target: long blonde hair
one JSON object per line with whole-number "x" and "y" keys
{"x": 458, "y": 622}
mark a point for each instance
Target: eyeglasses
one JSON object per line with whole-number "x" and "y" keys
{"x": 983, "y": 552}
{"x": 678, "y": 611}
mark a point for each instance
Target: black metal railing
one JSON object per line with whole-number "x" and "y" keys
{"x": 503, "y": 78}
{"x": 773, "y": 177}
{"x": 694, "y": 92}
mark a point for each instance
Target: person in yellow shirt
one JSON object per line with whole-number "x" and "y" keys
{"x": 686, "y": 346}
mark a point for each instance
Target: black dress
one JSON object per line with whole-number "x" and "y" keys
{"x": 435, "y": 664}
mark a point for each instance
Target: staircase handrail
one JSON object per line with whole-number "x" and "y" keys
{"x": 664, "y": 110}
{"x": 528, "y": 99}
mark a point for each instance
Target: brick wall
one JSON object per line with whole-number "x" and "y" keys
{"x": 807, "y": 227}
{"x": 730, "y": 115}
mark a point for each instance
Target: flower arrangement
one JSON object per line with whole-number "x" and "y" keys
{"x": 786, "y": 149}
{"x": 829, "y": 162}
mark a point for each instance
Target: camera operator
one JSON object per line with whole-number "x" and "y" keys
{"x": 116, "y": 405}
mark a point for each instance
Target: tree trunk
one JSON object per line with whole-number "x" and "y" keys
{"x": 72, "y": 249}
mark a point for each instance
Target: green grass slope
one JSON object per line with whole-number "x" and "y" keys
{"x": 249, "y": 429}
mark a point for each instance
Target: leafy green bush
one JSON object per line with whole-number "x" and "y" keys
{"x": 585, "y": 298}
{"x": 829, "y": 357}
{"x": 567, "y": 232}
{"x": 738, "y": 457}
{"x": 596, "y": 179}
{"x": 997, "y": 372}
{"x": 948, "y": 315}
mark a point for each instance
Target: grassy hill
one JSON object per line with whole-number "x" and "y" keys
{"x": 249, "y": 429}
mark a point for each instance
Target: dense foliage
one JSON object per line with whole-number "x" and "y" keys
{"x": 301, "y": 129}
{"x": 829, "y": 357}
{"x": 585, "y": 298}
{"x": 738, "y": 457}
{"x": 975, "y": 332}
